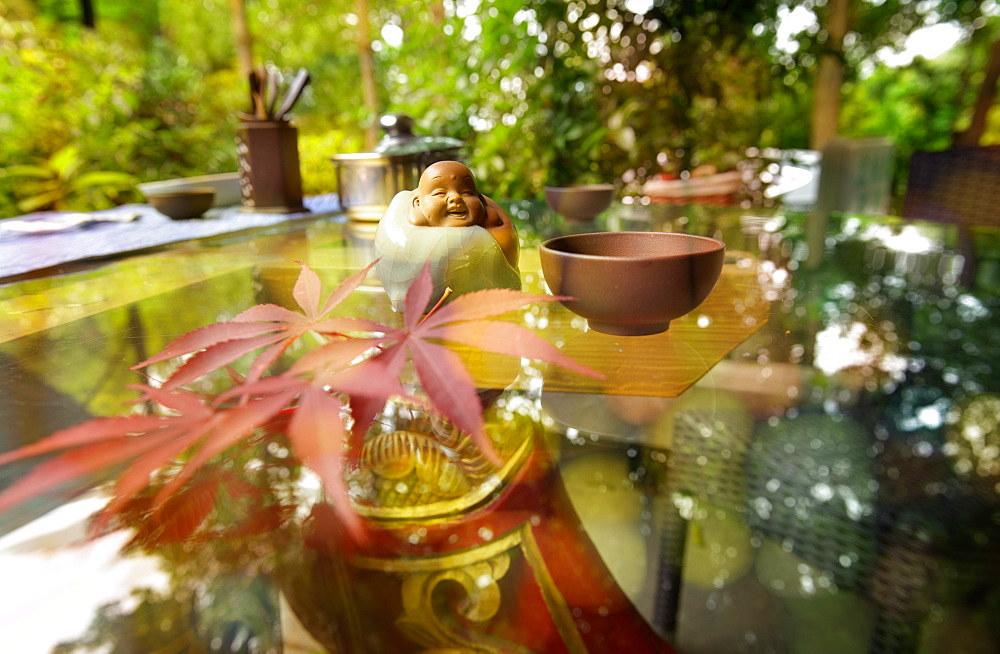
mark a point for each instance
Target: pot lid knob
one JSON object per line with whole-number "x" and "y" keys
{"x": 396, "y": 125}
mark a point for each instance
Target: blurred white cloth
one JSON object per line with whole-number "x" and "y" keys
{"x": 55, "y": 579}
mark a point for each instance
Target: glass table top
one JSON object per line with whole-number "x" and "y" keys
{"x": 808, "y": 462}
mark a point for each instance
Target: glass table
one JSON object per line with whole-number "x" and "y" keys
{"x": 808, "y": 462}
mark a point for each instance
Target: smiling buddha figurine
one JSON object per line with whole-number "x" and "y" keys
{"x": 468, "y": 239}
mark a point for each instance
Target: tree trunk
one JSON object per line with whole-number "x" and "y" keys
{"x": 829, "y": 77}
{"x": 437, "y": 12}
{"x": 366, "y": 60}
{"x": 87, "y": 16}
{"x": 984, "y": 101}
{"x": 241, "y": 37}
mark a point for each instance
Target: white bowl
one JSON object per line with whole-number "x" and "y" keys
{"x": 226, "y": 186}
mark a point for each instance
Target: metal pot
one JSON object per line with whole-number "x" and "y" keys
{"x": 367, "y": 181}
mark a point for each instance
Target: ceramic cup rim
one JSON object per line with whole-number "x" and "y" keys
{"x": 581, "y": 187}
{"x": 192, "y": 191}
{"x": 711, "y": 245}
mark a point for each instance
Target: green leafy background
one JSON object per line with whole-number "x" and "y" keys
{"x": 544, "y": 92}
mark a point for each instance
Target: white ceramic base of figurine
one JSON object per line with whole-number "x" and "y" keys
{"x": 464, "y": 259}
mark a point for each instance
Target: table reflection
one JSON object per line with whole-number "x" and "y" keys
{"x": 809, "y": 462}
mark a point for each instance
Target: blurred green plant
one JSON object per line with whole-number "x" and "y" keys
{"x": 550, "y": 92}
{"x": 61, "y": 182}
{"x": 919, "y": 106}
{"x": 108, "y": 102}
{"x": 318, "y": 173}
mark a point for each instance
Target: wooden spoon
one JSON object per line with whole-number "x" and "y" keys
{"x": 255, "y": 98}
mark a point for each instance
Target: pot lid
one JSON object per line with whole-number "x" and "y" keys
{"x": 399, "y": 138}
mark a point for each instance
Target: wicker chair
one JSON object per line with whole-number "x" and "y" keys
{"x": 960, "y": 185}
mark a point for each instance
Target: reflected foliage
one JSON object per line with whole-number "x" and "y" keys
{"x": 157, "y": 624}
{"x": 189, "y": 620}
{"x": 876, "y": 493}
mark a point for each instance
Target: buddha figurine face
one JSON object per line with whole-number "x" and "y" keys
{"x": 447, "y": 197}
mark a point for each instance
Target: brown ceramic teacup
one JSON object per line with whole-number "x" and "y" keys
{"x": 632, "y": 283}
{"x": 579, "y": 202}
{"x": 183, "y": 204}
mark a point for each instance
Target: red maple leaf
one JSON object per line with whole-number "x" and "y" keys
{"x": 149, "y": 442}
{"x": 263, "y": 325}
{"x": 466, "y": 320}
{"x": 356, "y": 372}
{"x": 180, "y": 518}
{"x": 184, "y": 517}
{"x": 315, "y": 429}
